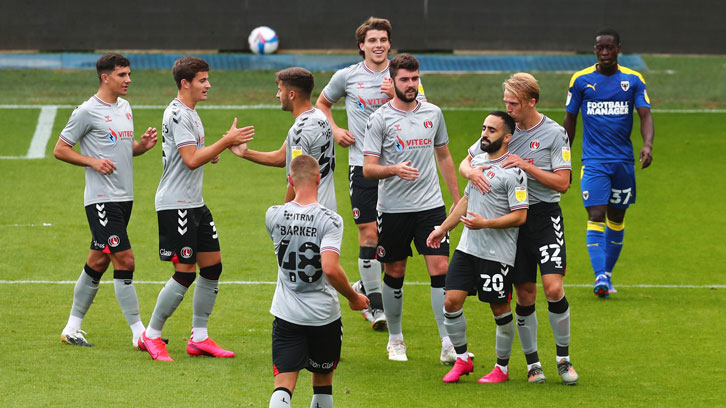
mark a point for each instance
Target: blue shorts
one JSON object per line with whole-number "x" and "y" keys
{"x": 608, "y": 183}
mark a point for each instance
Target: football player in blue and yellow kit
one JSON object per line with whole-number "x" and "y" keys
{"x": 607, "y": 94}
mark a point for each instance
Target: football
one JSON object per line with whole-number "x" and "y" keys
{"x": 263, "y": 40}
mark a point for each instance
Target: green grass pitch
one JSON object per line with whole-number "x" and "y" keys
{"x": 646, "y": 346}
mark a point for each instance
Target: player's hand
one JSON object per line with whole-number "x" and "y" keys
{"x": 474, "y": 221}
{"x": 237, "y": 135}
{"x": 215, "y": 160}
{"x": 359, "y": 302}
{"x": 405, "y": 171}
{"x": 477, "y": 178}
{"x": 343, "y": 137}
{"x": 435, "y": 237}
{"x": 387, "y": 87}
{"x": 239, "y": 150}
{"x": 148, "y": 139}
{"x": 103, "y": 166}
{"x": 515, "y": 161}
{"x": 646, "y": 156}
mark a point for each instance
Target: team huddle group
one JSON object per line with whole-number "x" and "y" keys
{"x": 396, "y": 141}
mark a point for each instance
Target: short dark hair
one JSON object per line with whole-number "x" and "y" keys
{"x": 187, "y": 68}
{"x": 373, "y": 23}
{"x": 610, "y": 32}
{"x": 107, "y": 63}
{"x": 299, "y": 79}
{"x": 508, "y": 121}
{"x": 402, "y": 61}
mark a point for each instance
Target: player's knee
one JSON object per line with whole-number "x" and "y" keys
{"x": 500, "y": 309}
{"x": 453, "y": 304}
{"x": 124, "y": 260}
{"x": 596, "y": 214}
{"x": 526, "y": 293}
{"x": 553, "y": 288}
{"x": 211, "y": 272}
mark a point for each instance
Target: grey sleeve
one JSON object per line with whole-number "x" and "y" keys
{"x": 517, "y": 193}
{"x": 375, "y": 131}
{"x": 183, "y": 130}
{"x": 442, "y": 136}
{"x": 560, "y": 154}
{"x": 335, "y": 89}
{"x": 333, "y": 235}
{"x": 77, "y": 127}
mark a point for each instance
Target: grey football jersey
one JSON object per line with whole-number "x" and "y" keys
{"x": 508, "y": 193}
{"x": 396, "y": 136}
{"x": 105, "y": 131}
{"x": 300, "y": 234}
{"x": 180, "y": 187}
{"x": 361, "y": 88}
{"x": 546, "y": 146}
{"x": 311, "y": 135}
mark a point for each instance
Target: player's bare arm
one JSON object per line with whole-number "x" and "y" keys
{"x": 570, "y": 125}
{"x": 335, "y": 274}
{"x": 274, "y": 158}
{"x": 558, "y": 180}
{"x": 438, "y": 234}
{"x": 647, "y": 130}
{"x": 342, "y": 136}
{"x": 146, "y": 142}
{"x": 448, "y": 172}
{"x": 373, "y": 170}
{"x": 64, "y": 152}
{"x": 475, "y": 175}
{"x": 195, "y": 158}
{"x": 474, "y": 221}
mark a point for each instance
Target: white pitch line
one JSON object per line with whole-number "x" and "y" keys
{"x": 575, "y": 285}
{"x": 42, "y": 132}
{"x": 45, "y": 224}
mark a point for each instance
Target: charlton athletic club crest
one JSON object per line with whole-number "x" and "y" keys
{"x": 534, "y": 145}
{"x": 186, "y": 252}
{"x": 380, "y": 251}
{"x": 428, "y": 124}
{"x": 356, "y": 213}
{"x": 113, "y": 241}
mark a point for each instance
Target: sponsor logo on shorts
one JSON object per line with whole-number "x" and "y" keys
{"x": 380, "y": 251}
{"x": 165, "y": 252}
{"x": 325, "y": 366}
{"x": 98, "y": 244}
{"x": 356, "y": 213}
{"x": 534, "y": 145}
{"x": 186, "y": 252}
{"x": 113, "y": 241}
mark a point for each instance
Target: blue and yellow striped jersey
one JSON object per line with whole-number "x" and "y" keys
{"x": 607, "y": 104}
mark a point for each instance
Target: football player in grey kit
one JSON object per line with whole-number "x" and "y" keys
{"x": 483, "y": 260}
{"x": 540, "y": 148}
{"x": 104, "y": 128}
{"x": 307, "y": 331}
{"x": 366, "y": 86}
{"x": 187, "y": 234}
{"x": 310, "y": 134}
{"x": 405, "y": 139}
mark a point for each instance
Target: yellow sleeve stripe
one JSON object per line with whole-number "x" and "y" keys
{"x": 616, "y": 226}
{"x": 596, "y": 226}
{"x": 581, "y": 73}
{"x": 626, "y": 70}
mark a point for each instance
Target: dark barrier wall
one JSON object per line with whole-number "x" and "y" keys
{"x": 654, "y": 26}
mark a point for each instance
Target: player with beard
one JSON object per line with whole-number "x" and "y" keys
{"x": 483, "y": 260}
{"x": 540, "y": 148}
{"x": 404, "y": 141}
